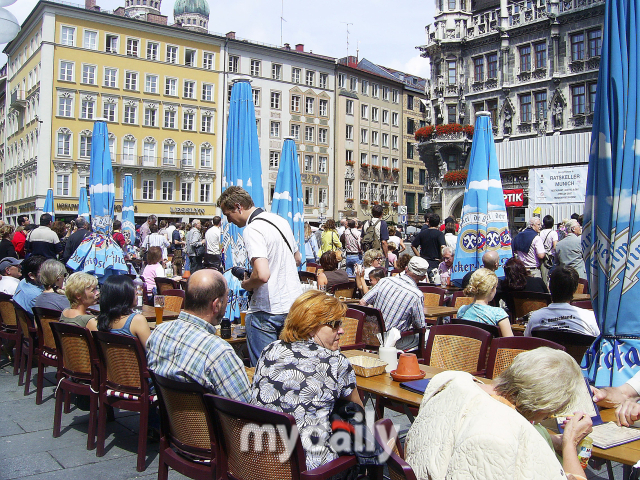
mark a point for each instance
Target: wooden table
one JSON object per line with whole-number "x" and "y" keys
{"x": 432, "y": 314}
{"x": 579, "y": 297}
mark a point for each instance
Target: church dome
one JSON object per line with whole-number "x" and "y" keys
{"x": 191, "y": 6}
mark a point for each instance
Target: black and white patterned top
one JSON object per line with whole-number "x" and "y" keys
{"x": 304, "y": 379}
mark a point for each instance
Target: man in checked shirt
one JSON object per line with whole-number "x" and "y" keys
{"x": 188, "y": 350}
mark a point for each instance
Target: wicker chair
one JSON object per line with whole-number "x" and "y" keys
{"x": 527, "y": 302}
{"x": 398, "y": 468}
{"x": 173, "y": 303}
{"x": 345, "y": 289}
{"x": 124, "y": 383}
{"x": 29, "y": 345}
{"x": 504, "y": 350}
{"x": 9, "y": 330}
{"x": 307, "y": 277}
{"x": 164, "y": 284}
{"x": 352, "y": 323}
{"x": 576, "y": 344}
{"x": 187, "y": 430}
{"x": 433, "y": 296}
{"x": 457, "y": 347}
{"x": 492, "y": 329}
{"x": 48, "y": 354}
{"x": 459, "y": 299}
{"x": 583, "y": 286}
{"x": 77, "y": 372}
{"x": 255, "y": 463}
{"x": 312, "y": 267}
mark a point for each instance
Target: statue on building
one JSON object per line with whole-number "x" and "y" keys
{"x": 507, "y": 121}
{"x": 557, "y": 115}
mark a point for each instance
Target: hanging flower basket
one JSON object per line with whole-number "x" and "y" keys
{"x": 349, "y": 200}
{"x": 376, "y": 202}
{"x": 364, "y": 165}
{"x": 364, "y": 202}
{"x": 350, "y": 163}
{"x": 386, "y": 169}
{"x": 456, "y": 176}
{"x": 396, "y": 170}
{"x": 385, "y": 203}
{"x": 375, "y": 167}
{"x": 423, "y": 133}
{"x": 395, "y": 204}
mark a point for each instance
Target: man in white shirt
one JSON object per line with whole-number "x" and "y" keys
{"x": 155, "y": 239}
{"x": 560, "y": 314}
{"x": 274, "y": 257}
{"x": 212, "y": 258}
{"x": 11, "y": 271}
{"x": 342, "y": 227}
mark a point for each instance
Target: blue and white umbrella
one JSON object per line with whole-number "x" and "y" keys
{"x": 128, "y": 220}
{"x": 98, "y": 253}
{"x": 48, "y": 204}
{"x": 611, "y": 234}
{"x": 83, "y": 204}
{"x": 242, "y": 168}
{"x": 484, "y": 216}
{"x": 288, "y": 199}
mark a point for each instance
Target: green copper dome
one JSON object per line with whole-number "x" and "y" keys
{"x": 191, "y": 6}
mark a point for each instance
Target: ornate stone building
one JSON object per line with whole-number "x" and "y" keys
{"x": 192, "y": 14}
{"x": 534, "y": 66}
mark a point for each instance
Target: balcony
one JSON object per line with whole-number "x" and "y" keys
{"x": 18, "y": 99}
{"x": 187, "y": 163}
{"x": 126, "y": 159}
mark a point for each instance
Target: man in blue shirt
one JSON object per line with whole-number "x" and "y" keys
{"x": 29, "y": 288}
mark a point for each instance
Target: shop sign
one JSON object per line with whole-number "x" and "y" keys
{"x": 27, "y": 207}
{"x": 558, "y": 185}
{"x": 67, "y": 206}
{"x": 187, "y": 210}
{"x": 513, "y": 197}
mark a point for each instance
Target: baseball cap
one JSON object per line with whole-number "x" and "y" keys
{"x": 7, "y": 262}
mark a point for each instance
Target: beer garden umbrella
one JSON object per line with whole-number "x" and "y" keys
{"x": 83, "y": 204}
{"x": 128, "y": 220}
{"x": 611, "y": 234}
{"x": 48, "y": 204}
{"x": 484, "y": 217}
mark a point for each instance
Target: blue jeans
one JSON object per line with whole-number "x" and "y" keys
{"x": 263, "y": 328}
{"x": 352, "y": 260}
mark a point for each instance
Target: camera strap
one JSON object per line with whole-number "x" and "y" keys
{"x": 254, "y": 216}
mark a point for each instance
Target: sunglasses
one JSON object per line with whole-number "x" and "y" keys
{"x": 334, "y": 324}
{"x": 379, "y": 258}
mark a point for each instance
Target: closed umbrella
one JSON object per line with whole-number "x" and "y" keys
{"x": 128, "y": 220}
{"x": 83, "y": 204}
{"x": 98, "y": 253}
{"x": 242, "y": 168}
{"x": 484, "y": 216}
{"x": 48, "y": 204}
{"x": 611, "y": 234}
{"x": 288, "y": 197}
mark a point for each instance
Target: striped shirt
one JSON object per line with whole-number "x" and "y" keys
{"x": 188, "y": 350}
{"x": 400, "y": 301}
{"x": 156, "y": 240}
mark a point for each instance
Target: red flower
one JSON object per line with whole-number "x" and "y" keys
{"x": 364, "y": 202}
{"x": 375, "y": 167}
{"x": 456, "y": 176}
{"x": 424, "y": 133}
{"x": 364, "y": 165}
{"x": 350, "y": 162}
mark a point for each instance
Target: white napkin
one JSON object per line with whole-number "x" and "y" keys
{"x": 393, "y": 336}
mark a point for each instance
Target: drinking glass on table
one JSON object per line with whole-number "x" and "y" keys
{"x": 158, "y": 303}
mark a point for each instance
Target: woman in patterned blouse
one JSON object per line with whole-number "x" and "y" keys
{"x": 304, "y": 373}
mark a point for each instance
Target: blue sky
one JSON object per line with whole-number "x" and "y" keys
{"x": 385, "y": 32}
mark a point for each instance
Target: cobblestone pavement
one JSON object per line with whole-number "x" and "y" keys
{"x": 28, "y": 449}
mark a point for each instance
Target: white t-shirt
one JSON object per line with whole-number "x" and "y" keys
{"x": 563, "y": 316}
{"x": 395, "y": 239}
{"x": 9, "y": 284}
{"x": 213, "y": 240}
{"x": 263, "y": 240}
{"x": 549, "y": 236}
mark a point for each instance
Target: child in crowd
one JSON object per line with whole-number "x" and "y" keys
{"x": 153, "y": 269}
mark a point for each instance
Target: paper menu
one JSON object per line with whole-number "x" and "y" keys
{"x": 609, "y": 435}
{"x": 582, "y": 402}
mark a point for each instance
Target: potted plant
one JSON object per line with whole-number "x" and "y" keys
{"x": 375, "y": 167}
{"x": 386, "y": 169}
{"x": 395, "y": 204}
{"x": 376, "y": 202}
{"x": 456, "y": 176}
{"x": 396, "y": 170}
{"x": 364, "y": 202}
{"x": 423, "y": 133}
{"x": 348, "y": 200}
{"x": 350, "y": 163}
{"x": 364, "y": 165}
{"x": 385, "y": 203}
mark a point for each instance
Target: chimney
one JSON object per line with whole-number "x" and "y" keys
{"x": 300, "y": 47}
{"x": 352, "y": 61}
{"x": 91, "y": 5}
{"x": 231, "y": 35}
{"x": 287, "y": 46}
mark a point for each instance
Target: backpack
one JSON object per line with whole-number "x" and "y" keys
{"x": 371, "y": 239}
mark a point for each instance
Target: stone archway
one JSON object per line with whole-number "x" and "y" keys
{"x": 455, "y": 207}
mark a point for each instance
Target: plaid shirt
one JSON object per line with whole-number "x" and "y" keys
{"x": 188, "y": 350}
{"x": 400, "y": 301}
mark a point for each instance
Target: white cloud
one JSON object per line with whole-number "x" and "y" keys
{"x": 282, "y": 196}
{"x": 604, "y": 147}
{"x": 485, "y": 184}
{"x": 622, "y": 204}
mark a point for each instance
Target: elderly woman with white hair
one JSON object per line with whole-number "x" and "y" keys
{"x": 466, "y": 429}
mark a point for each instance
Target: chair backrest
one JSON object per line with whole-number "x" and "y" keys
{"x": 388, "y": 438}
{"x": 306, "y": 277}
{"x": 240, "y": 455}
{"x": 77, "y": 355}
{"x": 526, "y": 302}
{"x": 123, "y": 363}
{"x": 27, "y": 326}
{"x": 312, "y": 267}
{"x": 173, "y": 303}
{"x": 186, "y": 423}
{"x": 352, "y": 323}
{"x": 457, "y": 347}
{"x": 44, "y": 317}
{"x": 345, "y": 289}
{"x": 373, "y": 324}
{"x": 585, "y": 285}
{"x": 575, "y": 343}
{"x": 395, "y": 272}
{"x": 492, "y": 329}
{"x": 163, "y": 284}
{"x": 7, "y": 311}
{"x": 429, "y": 291}
{"x": 583, "y": 304}
{"x": 580, "y": 288}
{"x": 459, "y": 299}
{"x": 432, "y": 299}
{"x": 504, "y": 350}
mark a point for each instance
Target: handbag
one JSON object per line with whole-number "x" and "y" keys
{"x": 338, "y": 252}
{"x": 199, "y": 250}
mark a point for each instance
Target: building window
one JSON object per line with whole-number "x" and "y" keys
{"x": 385, "y": 140}
{"x": 409, "y": 102}
{"x": 152, "y": 50}
{"x": 595, "y": 42}
{"x": 150, "y": 116}
{"x": 349, "y": 132}
{"x": 364, "y": 111}
{"x": 492, "y": 65}
{"x": 422, "y": 176}
{"x": 411, "y": 126}
{"x": 308, "y": 163}
{"x": 394, "y": 119}
{"x": 353, "y": 84}
{"x": 310, "y": 78}
{"x": 478, "y": 69}
{"x": 205, "y": 155}
{"x": 87, "y": 108}
{"x": 409, "y": 150}
{"x": 525, "y": 58}
{"x": 295, "y": 75}
{"x": 342, "y": 80}
{"x": 90, "y": 40}
{"x": 149, "y": 152}
{"x": 205, "y": 193}
{"x": 274, "y": 160}
{"x": 130, "y": 112}
{"x": 111, "y": 77}
{"x": 234, "y": 60}
{"x": 323, "y": 109}
{"x": 349, "y": 107}
{"x": 364, "y": 159}
{"x": 89, "y": 74}
{"x": 207, "y": 92}
{"x": 541, "y": 54}
{"x": 593, "y": 87}
{"x": 374, "y": 138}
{"x": 188, "y": 120}
{"x": 275, "y": 100}
{"x": 62, "y": 185}
{"x": 207, "y": 60}
{"x": 309, "y": 105}
{"x": 451, "y": 113}
{"x": 167, "y": 190}
{"x": 451, "y": 72}
{"x": 188, "y": 152}
{"x": 374, "y": 114}
{"x": 255, "y": 68}
{"x": 64, "y": 143}
{"x": 132, "y": 47}
{"x": 324, "y": 80}
{"x": 309, "y": 134}
{"x": 276, "y": 71}
{"x": 385, "y": 94}
{"x": 322, "y": 196}
{"x": 186, "y": 190}
{"x": 395, "y": 96}
{"x": 169, "y": 154}
{"x": 189, "y": 90}
{"x": 274, "y": 130}
{"x": 295, "y": 131}
{"x": 68, "y": 36}
{"x": 151, "y": 83}
{"x": 578, "y": 99}
{"x": 374, "y": 159}
{"x": 295, "y": 103}
{"x": 111, "y": 44}
{"x": 525, "y": 108}
{"x": 541, "y": 105}
{"x": 323, "y": 135}
{"x": 172, "y": 54}
{"x": 206, "y": 125}
{"x": 109, "y": 111}
{"x": 394, "y": 142}
{"x": 65, "y": 105}
{"x": 363, "y": 191}
{"x": 256, "y": 96}
{"x": 85, "y": 145}
{"x": 171, "y": 87}
{"x": 348, "y": 188}
{"x": 66, "y": 71}
{"x": 308, "y": 196}
{"x": 148, "y": 188}
{"x": 190, "y": 57}
{"x": 170, "y": 118}
{"x": 322, "y": 165}
{"x": 364, "y": 135}
{"x": 577, "y": 47}
{"x": 129, "y": 150}
{"x": 375, "y": 90}
{"x": 131, "y": 81}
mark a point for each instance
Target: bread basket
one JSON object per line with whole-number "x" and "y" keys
{"x": 367, "y": 366}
